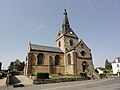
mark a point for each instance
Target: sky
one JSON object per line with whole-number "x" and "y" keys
{"x": 96, "y": 22}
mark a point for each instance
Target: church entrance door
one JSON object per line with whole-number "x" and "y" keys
{"x": 84, "y": 65}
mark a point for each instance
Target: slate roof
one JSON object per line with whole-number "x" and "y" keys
{"x": 118, "y": 58}
{"x": 115, "y": 60}
{"x": 45, "y": 48}
{"x": 75, "y": 45}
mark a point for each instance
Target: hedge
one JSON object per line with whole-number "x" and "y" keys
{"x": 42, "y": 75}
{"x": 0, "y": 75}
{"x": 57, "y": 80}
{"x": 83, "y": 74}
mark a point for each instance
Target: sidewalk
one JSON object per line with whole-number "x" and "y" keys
{"x": 3, "y": 82}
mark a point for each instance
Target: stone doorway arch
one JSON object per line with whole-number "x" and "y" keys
{"x": 84, "y": 65}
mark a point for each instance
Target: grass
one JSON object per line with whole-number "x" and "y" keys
{"x": 63, "y": 76}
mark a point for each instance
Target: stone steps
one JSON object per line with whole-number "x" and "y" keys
{"x": 24, "y": 80}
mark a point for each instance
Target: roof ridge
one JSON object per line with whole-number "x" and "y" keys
{"x": 45, "y": 46}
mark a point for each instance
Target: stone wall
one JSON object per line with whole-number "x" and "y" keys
{"x": 47, "y": 66}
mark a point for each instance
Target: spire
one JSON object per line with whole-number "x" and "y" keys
{"x": 65, "y": 25}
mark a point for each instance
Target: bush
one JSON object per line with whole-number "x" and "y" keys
{"x": 83, "y": 74}
{"x": 118, "y": 72}
{"x": 0, "y": 75}
{"x": 4, "y": 74}
{"x": 42, "y": 75}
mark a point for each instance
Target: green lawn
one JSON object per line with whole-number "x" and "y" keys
{"x": 63, "y": 76}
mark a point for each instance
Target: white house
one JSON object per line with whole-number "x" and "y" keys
{"x": 100, "y": 71}
{"x": 116, "y": 65}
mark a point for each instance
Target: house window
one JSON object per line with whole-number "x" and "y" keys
{"x": 40, "y": 59}
{"x": 69, "y": 59}
{"x": 118, "y": 66}
{"x": 57, "y": 60}
{"x": 71, "y": 42}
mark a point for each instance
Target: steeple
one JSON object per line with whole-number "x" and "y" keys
{"x": 66, "y": 37}
{"x": 65, "y": 25}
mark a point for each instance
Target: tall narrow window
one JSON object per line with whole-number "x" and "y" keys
{"x": 118, "y": 66}
{"x": 40, "y": 58}
{"x": 82, "y": 45}
{"x": 57, "y": 60}
{"x": 71, "y": 42}
{"x": 59, "y": 43}
{"x": 69, "y": 59}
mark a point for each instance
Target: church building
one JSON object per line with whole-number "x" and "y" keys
{"x": 71, "y": 56}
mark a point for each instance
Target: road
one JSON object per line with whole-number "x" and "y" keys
{"x": 102, "y": 84}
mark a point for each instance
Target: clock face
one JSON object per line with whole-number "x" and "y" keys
{"x": 71, "y": 32}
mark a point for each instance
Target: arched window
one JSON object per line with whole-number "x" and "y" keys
{"x": 71, "y": 42}
{"x": 59, "y": 43}
{"x": 69, "y": 59}
{"x": 57, "y": 60}
{"x": 40, "y": 58}
{"x": 84, "y": 65}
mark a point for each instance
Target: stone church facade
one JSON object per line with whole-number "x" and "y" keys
{"x": 70, "y": 56}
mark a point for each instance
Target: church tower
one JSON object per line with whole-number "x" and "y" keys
{"x": 66, "y": 37}
{"x": 77, "y": 55}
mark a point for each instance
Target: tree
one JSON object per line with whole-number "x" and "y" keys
{"x": 17, "y": 65}
{"x": 108, "y": 65}
{"x": 11, "y": 67}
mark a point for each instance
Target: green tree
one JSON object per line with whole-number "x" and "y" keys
{"x": 108, "y": 65}
{"x": 17, "y": 65}
{"x": 11, "y": 67}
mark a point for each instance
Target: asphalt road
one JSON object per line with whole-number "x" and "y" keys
{"x": 102, "y": 84}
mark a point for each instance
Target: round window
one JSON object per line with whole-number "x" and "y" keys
{"x": 83, "y": 53}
